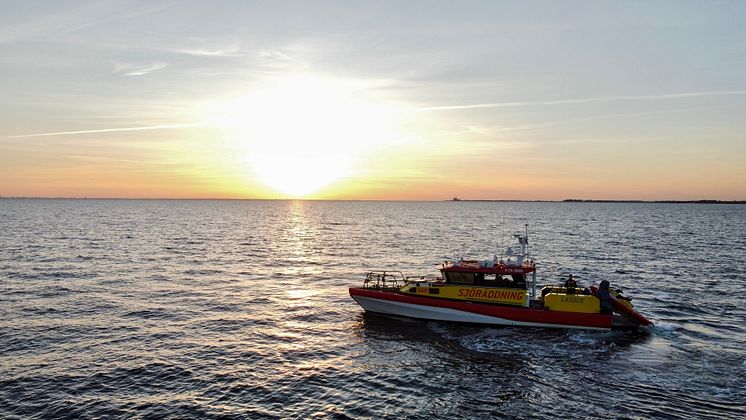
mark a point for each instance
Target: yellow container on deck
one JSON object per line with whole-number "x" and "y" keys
{"x": 587, "y": 304}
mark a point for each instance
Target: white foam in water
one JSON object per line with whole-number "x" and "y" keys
{"x": 582, "y": 337}
{"x": 664, "y": 327}
{"x": 490, "y": 340}
{"x": 481, "y": 346}
{"x": 594, "y": 337}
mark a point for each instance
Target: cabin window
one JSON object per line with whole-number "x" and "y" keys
{"x": 489, "y": 280}
{"x": 459, "y": 278}
{"x": 519, "y": 280}
{"x": 434, "y": 291}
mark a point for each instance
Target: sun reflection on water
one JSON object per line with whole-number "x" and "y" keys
{"x": 298, "y": 240}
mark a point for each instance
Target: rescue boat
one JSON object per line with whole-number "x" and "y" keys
{"x": 497, "y": 292}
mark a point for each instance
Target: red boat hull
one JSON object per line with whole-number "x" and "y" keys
{"x": 391, "y": 302}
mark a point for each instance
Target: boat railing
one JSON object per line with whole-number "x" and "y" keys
{"x": 423, "y": 280}
{"x": 550, "y": 288}
{"x": 384, "y": 280}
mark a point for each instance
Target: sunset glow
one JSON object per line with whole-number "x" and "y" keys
{"x": 380, "y": 102}
{"x": 302, "y": 133}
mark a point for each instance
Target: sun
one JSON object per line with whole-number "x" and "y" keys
{"x": 302, "y": 133}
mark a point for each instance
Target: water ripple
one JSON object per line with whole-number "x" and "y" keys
{"x": 215, "y": 309}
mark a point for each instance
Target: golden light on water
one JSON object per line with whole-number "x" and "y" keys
{"x": 302, "y": 133}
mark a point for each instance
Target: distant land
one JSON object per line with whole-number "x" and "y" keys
{"x": 574, "y": 200}
{"x": 568, "y": 200}
{"x": 577, "y": 200}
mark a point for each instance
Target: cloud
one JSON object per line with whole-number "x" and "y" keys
{"x": 584, "y": 100}
{"x": 71, "y": 19}
{"x": 104, "y": 130}
{"x": 127, "y": 69}
{"x": 282, "y": 60}
{"x": 217, "y": 52}
{"x": 585, "y": 119}
{"x": 112, "y": 15}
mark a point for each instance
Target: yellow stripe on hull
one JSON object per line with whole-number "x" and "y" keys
{"x": 505, "y": 296}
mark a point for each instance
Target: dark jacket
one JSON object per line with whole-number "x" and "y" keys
{"x": 605, "y": 297}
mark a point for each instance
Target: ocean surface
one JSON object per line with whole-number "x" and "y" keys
{"x": 202, "y": 309}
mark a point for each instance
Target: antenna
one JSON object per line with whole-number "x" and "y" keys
{"x": 502, "y": 238}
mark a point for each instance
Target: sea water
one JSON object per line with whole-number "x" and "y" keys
{"x": 203, "y": 309}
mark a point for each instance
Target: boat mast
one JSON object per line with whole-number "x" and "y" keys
{"x": 533, "y": 274}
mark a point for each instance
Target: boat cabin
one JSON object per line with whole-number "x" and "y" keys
{"x": 514, "y": 270}
{"x": 478, "y": 273}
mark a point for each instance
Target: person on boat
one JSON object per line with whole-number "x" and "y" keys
{"x": 604, "y": 295}
{"x": 570, "y": 285}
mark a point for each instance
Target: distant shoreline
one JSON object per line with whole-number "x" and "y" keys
{"x": 569, "y": 200}
{"x": 659, "y": 201}
{"x": 577, "y": 200}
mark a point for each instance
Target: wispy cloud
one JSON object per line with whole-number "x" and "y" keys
{"x": 127, "y": 69}
{"x": 280, "y": 59}
{"x": 232, "y": 51}
{"x": 584, "y": 100}
{"x": 489, "y": 132}
{"x": 114, "y": 15}
{"x": 585, "y": 119}
{"x": 72, "y": 19}
{"x": 103, "y": 130}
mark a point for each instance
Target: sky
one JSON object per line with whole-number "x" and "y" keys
{"x": 389, "y": 100}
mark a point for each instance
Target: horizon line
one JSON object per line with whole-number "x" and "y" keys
{"x": 565, "y": 200}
